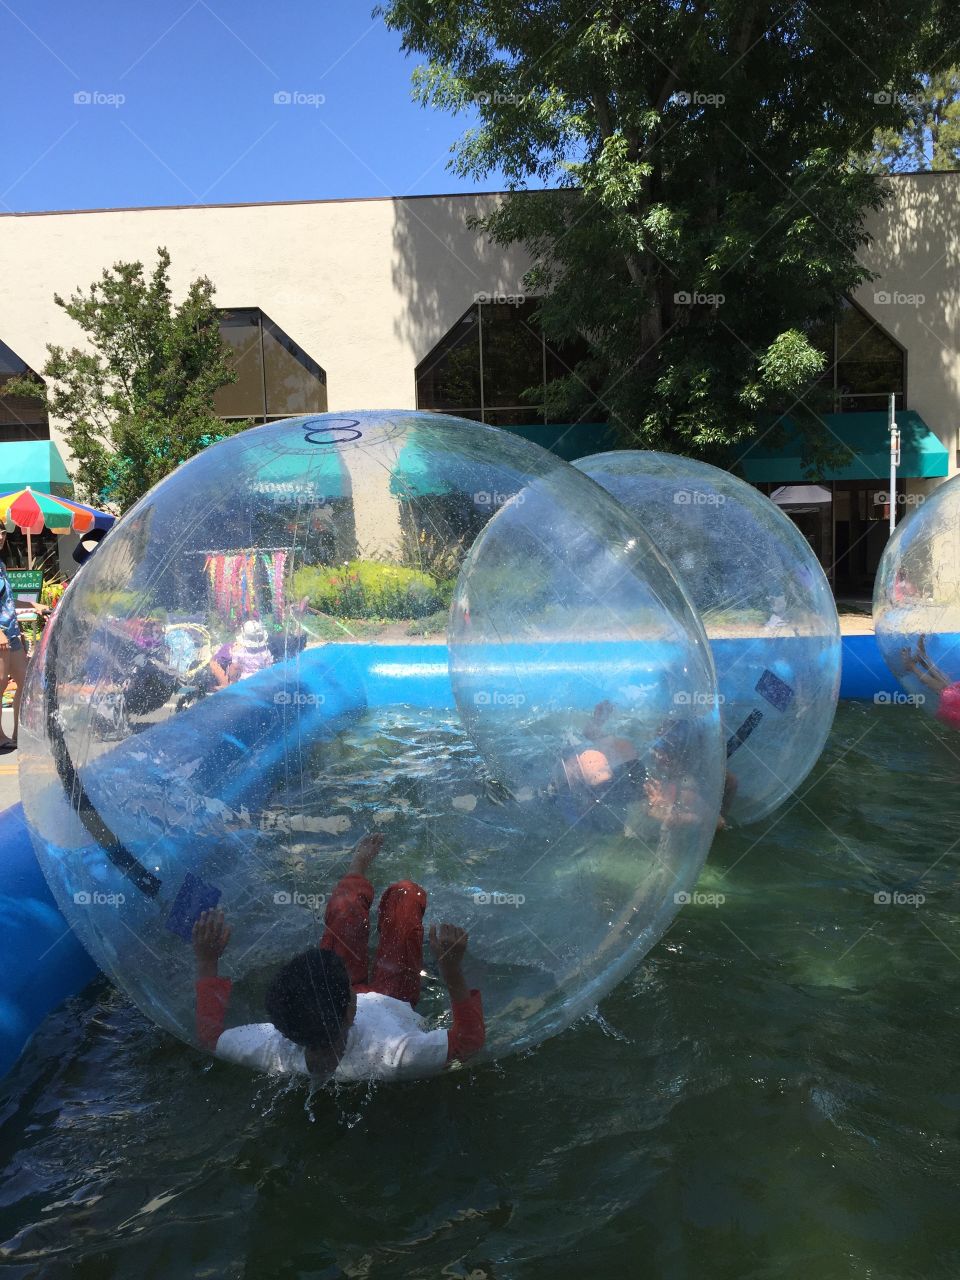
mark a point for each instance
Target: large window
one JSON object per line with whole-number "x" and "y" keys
{"x": 20, "y": 418}
{"x": 493, "y": 366}
{"x": 864, "y": 362}
{"x": 275, "y": 377}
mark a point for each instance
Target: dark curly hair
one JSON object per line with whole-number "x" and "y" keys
{"x": 307, "y": 1000}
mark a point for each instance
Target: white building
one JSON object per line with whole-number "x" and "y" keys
{"x": 396, "y": 303}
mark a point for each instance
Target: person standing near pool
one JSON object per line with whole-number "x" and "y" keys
{"x": 13, "y": 654}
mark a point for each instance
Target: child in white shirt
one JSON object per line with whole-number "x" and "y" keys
{"x": 326, "y": 1018}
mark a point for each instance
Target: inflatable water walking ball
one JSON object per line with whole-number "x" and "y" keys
{"x": 766, "y": 606}
{"x": 384, "y": 621}
{"x": 916, "y": 604}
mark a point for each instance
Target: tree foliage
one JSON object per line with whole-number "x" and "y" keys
{"x": 930, "y": 136}
{"x": 137, "y": 399}
{"x": 703, "y": 212}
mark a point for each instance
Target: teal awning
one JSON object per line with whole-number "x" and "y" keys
{"x": 36, "y": 463}
{"x": 922, "y": 453}
{"x": 288, "y": 476}
{"x": 569, "y": 441}
{"x": 419, "y": 472}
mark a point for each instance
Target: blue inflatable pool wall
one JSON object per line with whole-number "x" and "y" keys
{"x": 43, "y": 961}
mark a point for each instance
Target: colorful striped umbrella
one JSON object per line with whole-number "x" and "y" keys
{"x": 30, "y": 510}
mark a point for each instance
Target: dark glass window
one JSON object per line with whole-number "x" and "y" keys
{"x": 493, "y": 366}
{"x": 275, "y": 377}
{"x": 864, "y": 363}
{"x": 448, "y": 381}
{"x": 20, "y": 418}
{"x": 512, "y": 365}
{"x": 295, "y": 382}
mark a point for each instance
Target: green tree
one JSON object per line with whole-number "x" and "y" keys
{"x": 930, "y": 137}
{"x": 703, "y": 212}
{"x": 137, "y": 400}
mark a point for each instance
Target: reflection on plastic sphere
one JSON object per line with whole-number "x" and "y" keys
{"x": 253, "y": 671}
{"x": 916, "y": 604}
{"x": 766, "y": 606}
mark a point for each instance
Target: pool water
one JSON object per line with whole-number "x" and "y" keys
{"x": 774, "y": 1093}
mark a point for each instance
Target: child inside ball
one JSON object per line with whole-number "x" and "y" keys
{"x": 329, "y": 1018}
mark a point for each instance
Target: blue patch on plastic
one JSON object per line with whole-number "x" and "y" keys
{"x": 193, "y": 898}
{"x": 776, "y": 691}
{"x": 736, "y": 740}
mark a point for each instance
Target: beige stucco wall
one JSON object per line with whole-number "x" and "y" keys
{"x": 915, "y": 252}
{"x": 366, "y": 287}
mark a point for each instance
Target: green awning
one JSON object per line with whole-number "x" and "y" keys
{"x": 922, "y": 453}
{"x": 36, "y": 463}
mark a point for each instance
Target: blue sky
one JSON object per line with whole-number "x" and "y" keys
{"x": 181, "y": 105}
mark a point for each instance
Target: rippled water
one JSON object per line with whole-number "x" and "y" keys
{"x": 773, "y": 1094}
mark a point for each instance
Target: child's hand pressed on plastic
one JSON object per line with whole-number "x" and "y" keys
{"x": 449, "y": 946}
{"x": 601, "y": 714}
{"x": 366, "y": 853}
{"x": 211, "y": 933}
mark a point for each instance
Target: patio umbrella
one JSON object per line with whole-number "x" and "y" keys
{"x": 32, "y": 510}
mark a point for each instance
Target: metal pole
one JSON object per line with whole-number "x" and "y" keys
{"x": 894, "y": 461}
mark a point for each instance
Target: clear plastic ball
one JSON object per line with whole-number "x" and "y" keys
{"x": 766, "y": 607}
{"x": 253, "y": 671}
{"x": 916, "y": 604}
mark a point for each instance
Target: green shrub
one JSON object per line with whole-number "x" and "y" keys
{"x": 433, "y": 624}
{"x": 362, "y": 589}
{"x": 512, "y": 587}
{"x": 115, "y": 604}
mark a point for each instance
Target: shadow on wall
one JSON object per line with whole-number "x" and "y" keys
{"x": 914, "y": 252}
{"x": 440, "y": 267}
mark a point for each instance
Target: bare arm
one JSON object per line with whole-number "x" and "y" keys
{"x": 218, "y": 673}
{"x": 920, "y": 665}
